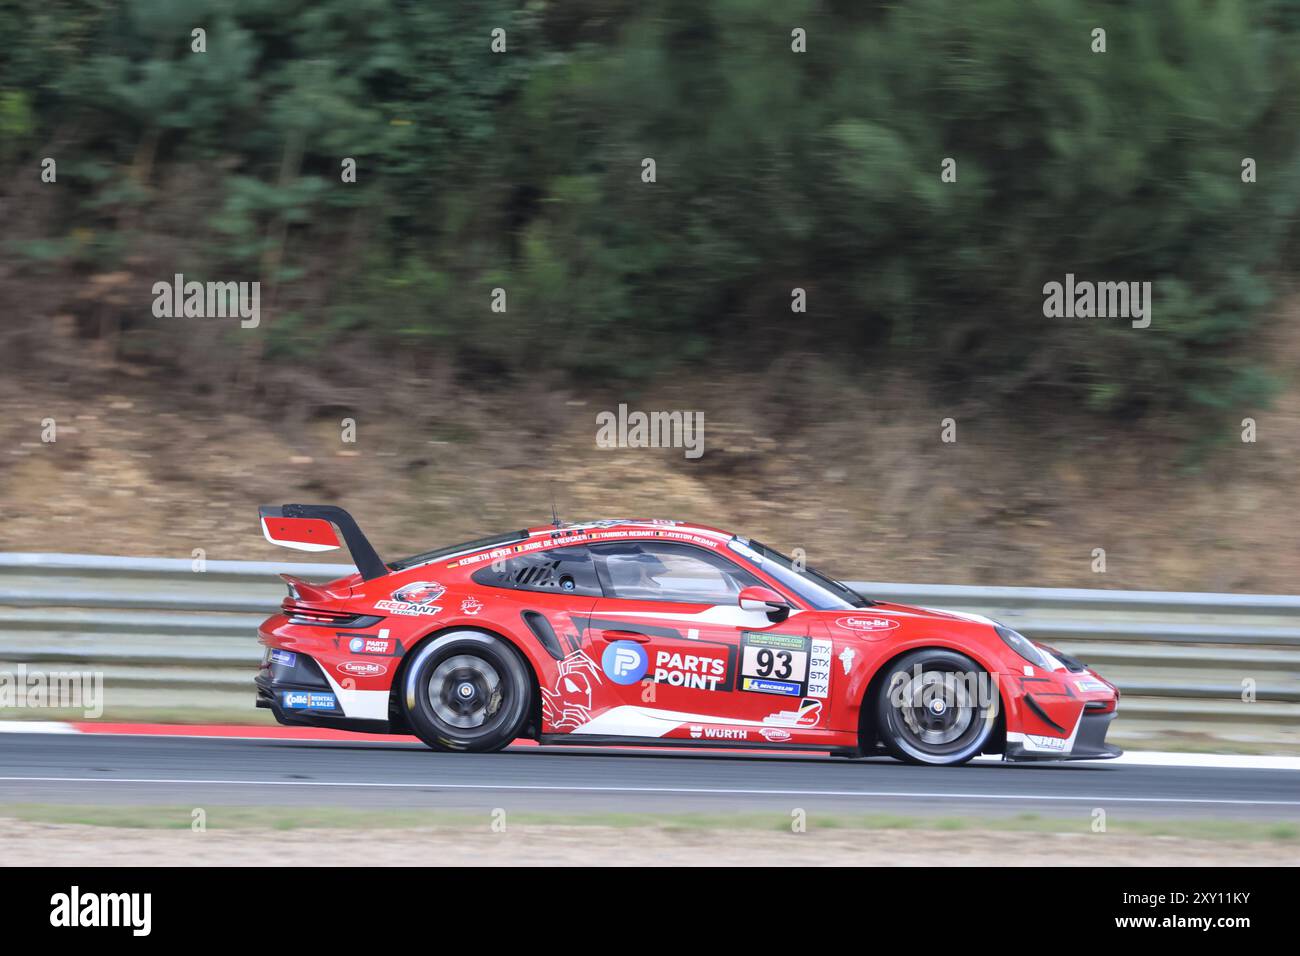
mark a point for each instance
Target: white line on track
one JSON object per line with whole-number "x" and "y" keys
{"x": 181, "y": 781}
{"x": 1169, "y": 758}
{"x": 1160, "y": 758}
{"x": 36, "y": 727}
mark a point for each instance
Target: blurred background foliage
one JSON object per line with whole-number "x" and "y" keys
{"x": 775, "y": 170}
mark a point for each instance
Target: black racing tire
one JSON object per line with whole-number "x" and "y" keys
{"x": 914, "y": 728}
{"x": 467, "y": 691}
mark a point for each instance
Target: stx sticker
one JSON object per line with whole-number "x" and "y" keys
{"x": 819, "y": 669}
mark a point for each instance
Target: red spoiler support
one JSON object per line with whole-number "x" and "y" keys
{"x": 297, "y": 526}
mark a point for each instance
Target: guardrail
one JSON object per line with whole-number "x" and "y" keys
{"x": 167, "y": 635}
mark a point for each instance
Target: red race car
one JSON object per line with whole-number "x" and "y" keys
{"x": 654, "y": 632}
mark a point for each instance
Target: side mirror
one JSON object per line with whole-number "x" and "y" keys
{"x": 761, "y": 599}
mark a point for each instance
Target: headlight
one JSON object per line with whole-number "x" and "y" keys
{"x": 1023, "y": 646}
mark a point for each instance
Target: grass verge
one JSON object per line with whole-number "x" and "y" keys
{"x": 296, "y": 818}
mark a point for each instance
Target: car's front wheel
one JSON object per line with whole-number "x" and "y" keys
{"x": 467, "y": 691}
{"x": 936, "y": 707}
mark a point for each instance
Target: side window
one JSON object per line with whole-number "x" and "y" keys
{"x": 562, "y": 571}
{"x": 663, "y": 571}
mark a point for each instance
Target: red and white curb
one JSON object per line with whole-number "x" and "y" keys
{"x": 231, "y": 731}
{"x": 1145, "y": 758}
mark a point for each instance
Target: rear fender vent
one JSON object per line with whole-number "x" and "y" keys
{"x": 545, "y": 634}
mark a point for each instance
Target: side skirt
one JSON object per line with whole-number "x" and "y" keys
{"x": 666, "y": 743}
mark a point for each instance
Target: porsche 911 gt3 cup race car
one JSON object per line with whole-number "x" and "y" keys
{"x": 654, "y": 632}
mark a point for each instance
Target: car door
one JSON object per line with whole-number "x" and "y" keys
{"x": 689, "y": 661}
{"x": 552, "y": 593}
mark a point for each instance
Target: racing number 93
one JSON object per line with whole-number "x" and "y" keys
{"x": 774, "y": 664}
{"x": 777, "y": 664}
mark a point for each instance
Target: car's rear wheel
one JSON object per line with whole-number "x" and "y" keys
{"x": 467, "y": 691}
{"x": 936, "y": 707}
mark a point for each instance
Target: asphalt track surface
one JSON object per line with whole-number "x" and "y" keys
{"x": 170, "y": 771}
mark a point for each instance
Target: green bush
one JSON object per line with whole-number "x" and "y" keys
{"x": 776, "y": 170}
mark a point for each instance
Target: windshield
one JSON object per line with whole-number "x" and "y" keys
{"x": 822, "y": 592}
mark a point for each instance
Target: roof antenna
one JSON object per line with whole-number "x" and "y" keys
{"x": 555, "y": 514}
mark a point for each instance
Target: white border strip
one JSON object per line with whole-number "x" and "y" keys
{"x": 37, "y": 727}
{"x": 1136, "y": 758}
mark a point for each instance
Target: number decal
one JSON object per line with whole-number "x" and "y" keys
{"x": 774, "y": 663}
{"x": 780, "y": 662}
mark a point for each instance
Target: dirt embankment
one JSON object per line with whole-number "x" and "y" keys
{"x": 852, "y": 470}
{"x": 47, "y": 844}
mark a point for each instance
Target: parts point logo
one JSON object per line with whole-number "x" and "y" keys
{"x": 624, "y": 662}
{"x": 382, "y": 645}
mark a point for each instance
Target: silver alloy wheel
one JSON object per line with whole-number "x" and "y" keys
{"x": 936, "y": 709}
{"x": 464, "y": 691}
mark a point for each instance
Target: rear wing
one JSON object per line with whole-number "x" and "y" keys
{"x": 311, "y": 528}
